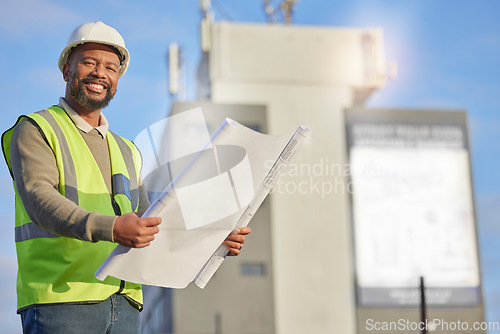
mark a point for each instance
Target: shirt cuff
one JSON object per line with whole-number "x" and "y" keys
{"x": 102, "y": 229}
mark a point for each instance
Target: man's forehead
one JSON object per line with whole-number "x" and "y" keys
{"x": 96, "y": 48}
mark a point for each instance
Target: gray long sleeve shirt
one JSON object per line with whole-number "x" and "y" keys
{"x": 37, "y": 178}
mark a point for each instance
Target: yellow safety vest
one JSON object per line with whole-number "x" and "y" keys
{"x": 56, "y": 269}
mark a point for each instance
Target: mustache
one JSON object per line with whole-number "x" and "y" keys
{"x": 100, "y": 81}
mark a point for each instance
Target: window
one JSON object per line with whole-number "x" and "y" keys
{"x": 253, "y": 269}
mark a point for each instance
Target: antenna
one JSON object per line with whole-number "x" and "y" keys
{"x": 204, "y": 87}
{"x": 285, "y": 8}
{"x": 206, "y": 22}
{"x": 205, "y": 6}
{"x": 176, "y": 71}
{"x": 269, "y": 10}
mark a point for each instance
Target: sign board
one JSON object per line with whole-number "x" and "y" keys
{"x": 412, "y": 207}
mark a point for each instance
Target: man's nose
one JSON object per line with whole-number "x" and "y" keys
{"x": 99, "y": 70}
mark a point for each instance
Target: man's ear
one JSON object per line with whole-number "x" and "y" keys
{"x": 66, "y": 71}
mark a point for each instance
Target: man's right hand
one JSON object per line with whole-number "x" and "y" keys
{"x": 133, "y": 231}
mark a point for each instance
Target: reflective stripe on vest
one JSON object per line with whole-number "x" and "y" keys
{"x": 70, "y": 183}
{"x": 56, "y": 269}
{"x": 31, "y": 231}
{"x": 122, "y": 185}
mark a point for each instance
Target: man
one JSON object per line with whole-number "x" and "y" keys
{"x": 78, "y": 193}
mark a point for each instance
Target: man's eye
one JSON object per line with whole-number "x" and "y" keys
{"x": 111, "y": 69}
{"x": 88, "y": 63}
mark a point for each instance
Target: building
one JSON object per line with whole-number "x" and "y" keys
{"x": 297, "y": 273}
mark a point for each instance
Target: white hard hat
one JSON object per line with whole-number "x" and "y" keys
{"x": 96, "y": 32}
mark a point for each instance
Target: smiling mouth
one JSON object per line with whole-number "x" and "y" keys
{"x": 95, "y": 87}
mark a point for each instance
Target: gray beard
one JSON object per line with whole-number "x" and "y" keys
{"x": 77, "y": 91}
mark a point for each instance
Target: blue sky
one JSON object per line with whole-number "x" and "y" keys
{"x": 448, "y": 55}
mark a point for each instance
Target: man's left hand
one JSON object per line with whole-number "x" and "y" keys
{"x": 234, "y": 241}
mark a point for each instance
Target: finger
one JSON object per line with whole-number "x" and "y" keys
{"x": 141, "y": 245}
{"x": 243, "y": 230}
{"x": 143, "y": 241}
{"x": 232, "y": 244}
{"x": 233, "y": 252}
{"x": 146, "y": 232}
{"x": 150, "y": 231}
{"x": 236, "y": 238}
{"x": 151, "y": 221}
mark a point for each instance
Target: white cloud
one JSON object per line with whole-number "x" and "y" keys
{"x": 17, "y": 18}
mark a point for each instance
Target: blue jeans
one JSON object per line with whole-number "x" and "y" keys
{"x": 114, "y": 315}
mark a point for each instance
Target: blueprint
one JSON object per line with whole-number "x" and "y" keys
{"x": 203, "y": 187}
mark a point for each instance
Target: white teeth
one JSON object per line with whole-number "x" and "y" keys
{"x": 98, "y": 86}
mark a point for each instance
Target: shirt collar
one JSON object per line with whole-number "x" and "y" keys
{"x": 81, "y": 123}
